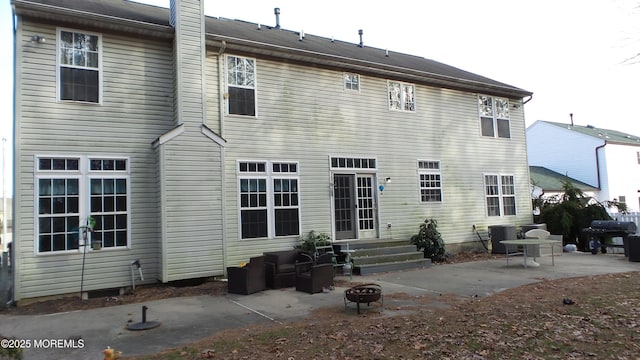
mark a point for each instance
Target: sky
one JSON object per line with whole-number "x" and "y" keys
{"x": 572, "y": 54}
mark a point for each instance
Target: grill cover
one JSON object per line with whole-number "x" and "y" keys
{"x": 627, "y": 227}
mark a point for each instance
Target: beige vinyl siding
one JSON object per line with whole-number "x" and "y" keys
{"x": 306, "y": 116}
{"x": 192, "y": 207}
{"x": 191, "y": 165}
{"x": 136, "y": 109}
{"x": 189, "y": 61}
{"x": 212, "y": 101}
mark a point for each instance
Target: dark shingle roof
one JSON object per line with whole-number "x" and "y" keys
{"x": 283, "y": 42}
{"x": 549, "y": 180}
{"x": 610, "y": 136}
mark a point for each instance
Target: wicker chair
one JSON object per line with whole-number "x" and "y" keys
{"x": 313, "y": 277}
{"x": 248, "y": 279}
{"x": 280, "y": 267}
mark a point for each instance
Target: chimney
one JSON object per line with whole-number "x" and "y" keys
{"x": 360, "y": 33}
{"x": 571, "y": 116}
{"x": 186, "y": 16}
{"x": 277, "y": 12}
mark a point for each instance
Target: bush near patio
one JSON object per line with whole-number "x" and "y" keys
{"x": 570, "y": 212}
{"x": 429, "y": 240}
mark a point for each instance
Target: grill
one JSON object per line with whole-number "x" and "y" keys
{"x": 600, "y": 229}
{"x": 612, "y": 228}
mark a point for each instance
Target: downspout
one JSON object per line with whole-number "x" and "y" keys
{"x": 15, "y": 264}
{"x": 598, "y": 164}
{"x": 221, "y": 87}
{"x": 223, "y": 164}
{"x": 529, "y": 99}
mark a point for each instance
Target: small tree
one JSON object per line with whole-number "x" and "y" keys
{"x": 572, "y": 211}
{"x": 428, "y": 240}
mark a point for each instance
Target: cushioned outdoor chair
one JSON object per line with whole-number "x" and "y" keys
{"x": 248, "y": 279}
{"x": 280, "y": 267}
{"x": 313, "y": 277}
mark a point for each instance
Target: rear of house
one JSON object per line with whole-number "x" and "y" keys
{"x": 196, "y": 143}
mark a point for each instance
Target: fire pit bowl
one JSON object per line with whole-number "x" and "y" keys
{"x": 363, "y": 294}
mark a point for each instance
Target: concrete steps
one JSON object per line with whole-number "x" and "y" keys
{"x": 382, "y": 255}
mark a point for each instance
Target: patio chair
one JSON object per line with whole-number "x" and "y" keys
{"x": 313, "y": 277}
{"x": 248, "y": 279}
{"x": 534, "y": 250}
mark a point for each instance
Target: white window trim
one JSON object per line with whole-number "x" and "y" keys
{"x": 429, "y": 171}
{"x": 84, "y": 176}
{"x": 269, "y": 175}
{"x": 344, "y": 82}
{"x": 494, "y": 116}
{"x": 255, "y": 86}
{"x": 402, "y": 100}
{"x": 58, "y": 66}
{"x": 500, "y": 195}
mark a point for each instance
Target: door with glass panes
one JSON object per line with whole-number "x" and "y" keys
{"x": 355, "y": 207}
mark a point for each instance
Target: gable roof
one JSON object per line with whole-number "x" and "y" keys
{"x": 549, "y": 180}
{"x": 122, "y": 15}
{"x": 608, "y": 136}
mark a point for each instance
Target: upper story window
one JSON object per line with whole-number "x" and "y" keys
{"x": 494, "y": 116}
{"x": 79, "y": 66}
{"x": 500, "y": 195}
{"x": 430, "y": 181}
{"x": 352, "y": 82}
{"x": 241, "y": 85}
{"x": 401, "y": 96}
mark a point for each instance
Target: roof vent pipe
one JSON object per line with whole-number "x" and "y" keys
{"x": 571, "y": 116}
{"x": 277, "y": 12}
{"x": 360, "y": 33}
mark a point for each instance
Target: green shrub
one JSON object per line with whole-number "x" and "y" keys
{"x": 429, "y": 240}
{"x": 572, "y": 211}
{"x": 312, "y": 240}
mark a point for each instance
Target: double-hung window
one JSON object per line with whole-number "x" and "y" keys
{"x": 352, "y": 82}
{"x": 269, "y": 199}
{"x": 401, "y": 96}
{"x": 58, "y": 204}
{"x": 430, "y": 181}
{"x": 241, "y": 85}
{"x": 494, "y": 116}
{"x": 70, "y": 190}
{"x": 499, "y": 191}
{"x": 108, "y": 182}
{"x": 79, "y": 75}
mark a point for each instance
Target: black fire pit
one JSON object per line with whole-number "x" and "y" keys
{"x": 364, "y": 294}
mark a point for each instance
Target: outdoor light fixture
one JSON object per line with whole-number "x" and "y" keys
{"x": 387, "y": 179}
{"x": 39, "y": 39}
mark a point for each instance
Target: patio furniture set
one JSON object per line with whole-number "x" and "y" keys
{"x": 289, "y": 268}
{"x": 282, "y": 269}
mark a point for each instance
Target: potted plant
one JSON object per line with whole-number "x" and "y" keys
{"x": 313, "y": 240}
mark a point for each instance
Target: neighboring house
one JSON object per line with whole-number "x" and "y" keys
{"x": 548, "y": 184}
{"x": 608, "y": 160}
{"x": 197, "y": 142}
